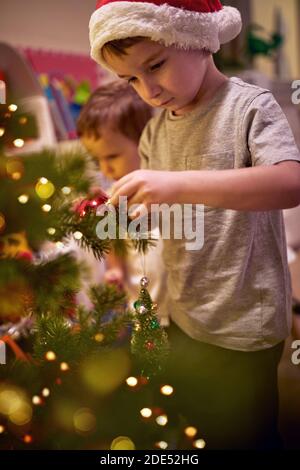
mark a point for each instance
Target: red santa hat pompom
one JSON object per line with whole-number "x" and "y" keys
{"x": 188, "y": 24}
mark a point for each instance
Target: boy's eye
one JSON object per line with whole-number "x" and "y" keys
{"x": 157, "y": 66}
{"x": 131, "y": 79}
{"x": 111, "y": 157}
{"x": 152, "y": 68}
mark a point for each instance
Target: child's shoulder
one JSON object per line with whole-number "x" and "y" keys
{"x": 245, "y": 93}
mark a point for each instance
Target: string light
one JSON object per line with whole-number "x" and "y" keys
{"x": 66, "y": 190}
{"x": 19, "y": 143}
{"x": 59, "y": 245}
{"x": 45, "y": 392}
{"x": 162, "y": 420}
{"x": 190, "y": 431}
{"x": 16, "y": 175}
{"x": 2, "y": 131}
{"x": 2, "y": 429}
{"x": 51, "y": 230}
{"x": 64, "y": 366}
{"x": 146, "y": 412}
{"x": 50, "y": 356}
{"x": 167, "y": 390}
{"x": 99, "y": 337}
{"x": 23, "y": 199}
{"x": 27, "y": 439}
{"x": 13, "y": 107}
{"x": 162, "y": 445}
{"x": 131, "y": 381}
{"x": 36, "y": 400}
{"x": 77, "y": 235}
{"x": 46, "y": 208}
{"x": 43, "y": 180}
{"x": 199, "y": 443}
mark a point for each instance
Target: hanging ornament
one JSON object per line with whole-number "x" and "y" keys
{"x": 85, "y": 205}
{"x": 149, "y": 342}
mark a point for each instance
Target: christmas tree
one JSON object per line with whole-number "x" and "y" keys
{"x": 69, "y": 379}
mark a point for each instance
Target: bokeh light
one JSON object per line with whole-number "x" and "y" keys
{"x": 146, "y": 412}
{"x": 13, "y": 107}
{"x": 19, "y": 143}
{"x": 105, "y": 371}
{"x": 162, "y": 445}
{"x": 36, "y": 400}
{"x": 44, "y": 188}
{"x": 122, "y": 443}
{"x": 15, "y": 405}
{"x": 167, "y": 390}
{"x": 50, "y": 356}
{"x": 84, "y": 420}
{"x": 190, "y": 431}
{"x": 23, "y": 198}
{"x": 66, "y": 190}
{"x": 162, "y": 420}
{"x": 132, "y": 381}
{"x": 199, "y": 443}
{"x": 46, "y": 208}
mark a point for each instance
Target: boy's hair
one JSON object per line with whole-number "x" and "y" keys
{"x": 117, "y": 106}
{"x": 118, "y": 46}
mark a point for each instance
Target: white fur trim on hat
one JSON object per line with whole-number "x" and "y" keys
{"x": 164, "y": 23}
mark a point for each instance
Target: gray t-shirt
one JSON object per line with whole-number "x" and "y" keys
{"x": 235, "y": 292}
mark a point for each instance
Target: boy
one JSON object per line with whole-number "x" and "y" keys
{"x": 109, "y": 127}
{"x": 225, "y": 144}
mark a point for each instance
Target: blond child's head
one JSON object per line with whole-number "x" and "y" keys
{"x": 163, "y": 49}
{"x": 110, "y": 126}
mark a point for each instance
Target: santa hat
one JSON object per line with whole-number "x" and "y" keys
{"x": 188, "y": 24}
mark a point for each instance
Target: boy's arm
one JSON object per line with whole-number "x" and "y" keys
{"x": 247, "y": 189}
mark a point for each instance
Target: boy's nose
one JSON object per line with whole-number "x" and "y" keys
{"x": 151, "y": 90}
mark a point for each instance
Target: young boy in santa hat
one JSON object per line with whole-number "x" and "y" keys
{"x": 226, "y": 144}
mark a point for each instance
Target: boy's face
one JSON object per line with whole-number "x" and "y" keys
{"x": 117, "y": 154}
{"x": 162, "y": 76}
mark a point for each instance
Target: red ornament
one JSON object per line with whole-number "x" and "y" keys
{"x": 143, "y": 380}
{"x": 93, "y": 203}
{"x": 25, "y": 256}
{"x": 149, "y": 345}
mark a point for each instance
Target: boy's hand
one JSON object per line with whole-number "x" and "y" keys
{"x": 146, "y": 187}
{"x": 114, "y": 276}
